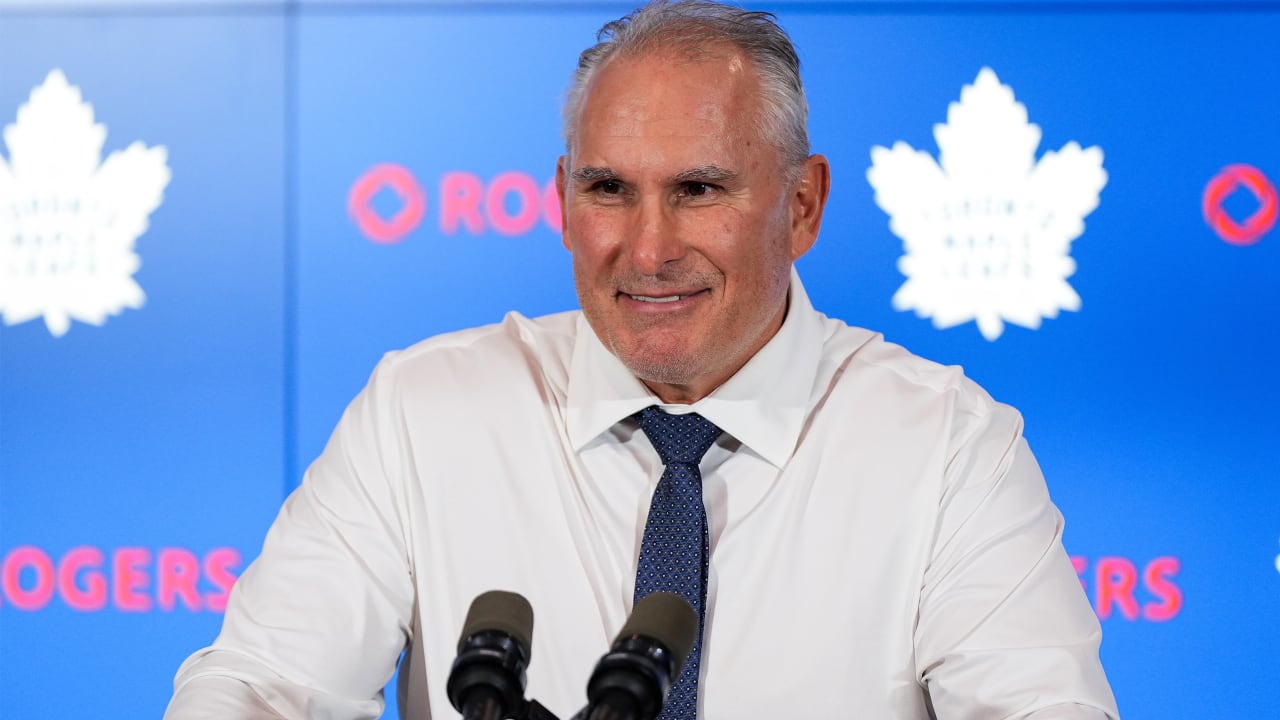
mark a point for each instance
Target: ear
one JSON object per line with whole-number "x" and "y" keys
{"x": 564, "y": 213}
{"x": 808, "y": 200}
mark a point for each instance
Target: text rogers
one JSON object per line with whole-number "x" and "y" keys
{"x": 1117, "y": 584}
{"x": 510, "y": 203}
{"x": 133, "y": 579}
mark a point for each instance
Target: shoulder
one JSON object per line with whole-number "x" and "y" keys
{"x": 492, "y": 359}
{"x": 908, "y": 411}
{"x": 442, "y": 389}
{"x": 863, "y": 369}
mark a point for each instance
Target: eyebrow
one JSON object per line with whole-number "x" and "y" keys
{"x": 706, "y": 173}
{"x": 702, "y": 173}
{"x": 589, "y": 173}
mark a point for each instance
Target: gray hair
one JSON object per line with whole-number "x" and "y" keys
{"x": 691, "y": 26}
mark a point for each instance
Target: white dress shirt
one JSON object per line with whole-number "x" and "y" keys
{"x": 882, "y": 542}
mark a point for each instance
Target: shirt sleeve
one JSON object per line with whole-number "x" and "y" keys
{"x": 315, "y": 625}
{"x": 1005, "y": 630}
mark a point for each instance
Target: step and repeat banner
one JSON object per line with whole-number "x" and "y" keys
{"x": 216, "y": 216}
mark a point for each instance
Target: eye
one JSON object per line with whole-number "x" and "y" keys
{"x": 608, "y": 187}
{"x": 698, "y": 189}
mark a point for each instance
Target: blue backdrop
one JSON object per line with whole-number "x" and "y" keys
{"x": 348, "y": 178}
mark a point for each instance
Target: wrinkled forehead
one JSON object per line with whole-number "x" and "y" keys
{"x": 665, "y": 91}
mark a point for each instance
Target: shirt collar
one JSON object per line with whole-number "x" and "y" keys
{"x": 763, "y": 405}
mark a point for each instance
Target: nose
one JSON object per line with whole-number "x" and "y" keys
{"x": 654, "y": 238}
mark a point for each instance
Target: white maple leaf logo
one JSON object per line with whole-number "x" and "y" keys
{"x": 987, "y": 231}
{"x": 68, "y": 219}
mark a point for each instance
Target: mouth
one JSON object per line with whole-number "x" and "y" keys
{"x": 661, "y": 299}
{"x": 662, "y": 296}
{"x": 652, "y": 299}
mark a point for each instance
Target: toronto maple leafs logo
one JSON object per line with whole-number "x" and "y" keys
{"x": 68, "y": 219}
{"x": 987, "y": 229}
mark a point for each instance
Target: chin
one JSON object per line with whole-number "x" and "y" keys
{"x": 661, "y": 367}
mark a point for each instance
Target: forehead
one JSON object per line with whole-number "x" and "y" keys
{"x": 705, "y": 98}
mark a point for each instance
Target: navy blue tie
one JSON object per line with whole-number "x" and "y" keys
{"x": 674, "y": 552}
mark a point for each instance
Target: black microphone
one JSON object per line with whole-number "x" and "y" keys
{"x": 488, "y": 676}
{"x": 631, "y": 681}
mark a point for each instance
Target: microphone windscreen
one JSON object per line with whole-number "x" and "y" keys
{"x": 500, "y": 610}
{"x": 668, "y": 619}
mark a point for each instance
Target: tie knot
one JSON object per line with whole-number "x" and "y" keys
{"x": 678, "y": 438}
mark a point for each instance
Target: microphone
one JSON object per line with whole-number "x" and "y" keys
{"x": 631, "y": 681}
{"x": 488, "y": 677}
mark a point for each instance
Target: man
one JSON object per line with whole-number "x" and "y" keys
{"x": 878, "y": 539}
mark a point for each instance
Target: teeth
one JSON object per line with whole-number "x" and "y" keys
{"x": 667, "y": 299}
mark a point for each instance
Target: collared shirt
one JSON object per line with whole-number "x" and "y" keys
{"x": 882, "y": 542}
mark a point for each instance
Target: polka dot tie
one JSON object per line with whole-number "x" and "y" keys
{"x": 674, "y": 552}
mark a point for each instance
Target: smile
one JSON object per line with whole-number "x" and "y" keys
{"x": 664, "y": 299}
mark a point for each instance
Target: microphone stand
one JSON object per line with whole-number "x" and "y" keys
{"x": 534, "y": 710}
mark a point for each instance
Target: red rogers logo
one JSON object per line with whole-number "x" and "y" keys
{"x": 1222, "y": 186}
{"x": 132, "y": 579}
{"x": 512, "y": 203}
{"x": 1118, "y": 584}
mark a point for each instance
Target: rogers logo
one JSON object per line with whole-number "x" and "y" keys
{"x": 132, "y": 579}
{"x": 1235, "y": 178}
{"x": 511, "y": 203}
{"x": 1116, "y": 585}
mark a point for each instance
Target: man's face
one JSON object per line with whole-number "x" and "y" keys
{"x": 682, "y": 220}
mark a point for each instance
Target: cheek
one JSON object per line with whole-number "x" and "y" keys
{"x": 758, "y": 279}
{"x": 720, "y": 234}
{"x": 591, "y": 237}
{"x": 748, "y": 250}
